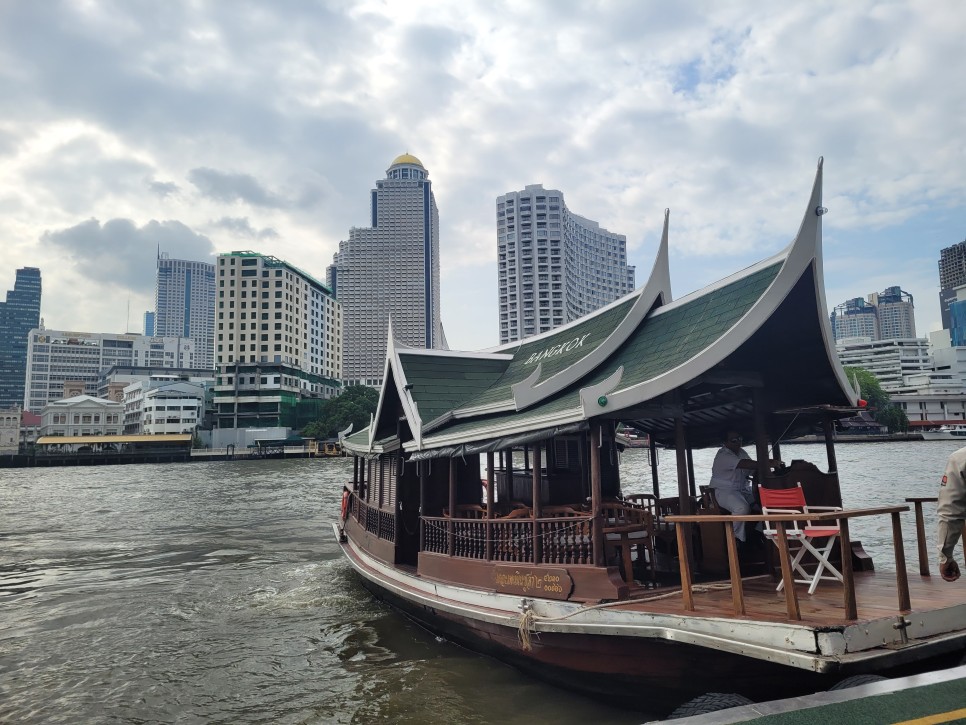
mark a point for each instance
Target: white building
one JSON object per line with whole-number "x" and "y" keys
{"x": 279, "y": 341}
{"x": 59, "y": 357}
{"x": 885, "y": 315}
{"x": 9, "y": 430}
{"x": 390, "y": 269}
{"x": 163, "y": 404}
{"x": 891, "y": 361}
{"x": 81, "y": 415}
{"x": 184, "y": 305}
{"x": 554, "y": 266}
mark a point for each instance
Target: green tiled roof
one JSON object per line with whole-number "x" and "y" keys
{"x": 441, "y": 383}
{"x": 592, "y": 331}
{"x": 664, "y": 340}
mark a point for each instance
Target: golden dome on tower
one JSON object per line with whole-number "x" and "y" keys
{"x": 407, "y": 158}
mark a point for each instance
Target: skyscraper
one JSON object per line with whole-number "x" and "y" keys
{"x": 554, "y": 266}
{"x": 184, "y": 305}
{"x": 390, "y": 269}
{"x": 18, "y": 316}
{"x": 952, "y": 275}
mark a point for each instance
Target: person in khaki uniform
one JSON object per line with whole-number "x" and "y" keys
{"x": 951, "y": 513}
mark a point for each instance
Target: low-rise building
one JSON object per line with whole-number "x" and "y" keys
{"x": 82, "y": 415}
{"x": 9, "y": 430}
{"x": 163, "y": 404}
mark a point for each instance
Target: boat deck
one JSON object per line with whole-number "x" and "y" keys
{"x": 875, "y": 595}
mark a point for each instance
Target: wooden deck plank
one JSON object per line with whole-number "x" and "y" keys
{"x": 875, "y": 595}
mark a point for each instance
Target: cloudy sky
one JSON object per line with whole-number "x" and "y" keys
{"x": 203, "y": 127}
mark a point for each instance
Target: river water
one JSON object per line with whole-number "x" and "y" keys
{"x": 215, "y": 593}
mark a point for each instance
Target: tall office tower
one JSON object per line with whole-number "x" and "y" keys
{"x": 149, "y": 323}
{"x": 18, "y": 316}
{"x": 554, "y": 266}
{"x": 184, "y": 304}
{"x": 390, "y": 269}
{"x": 62, "y": 363}
{"x": 279, "y": 341}
{"x": 952, "y": 274}
{"x": 896, "y": 313}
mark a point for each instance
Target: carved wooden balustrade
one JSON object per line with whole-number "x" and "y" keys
{"x": 565, "y": 539}
{"x": 373, "y": 519}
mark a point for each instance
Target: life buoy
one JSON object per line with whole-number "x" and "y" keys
{"x": 345, "y": 504}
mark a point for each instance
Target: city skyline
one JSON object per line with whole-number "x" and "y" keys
{"x": 126, "y": 127}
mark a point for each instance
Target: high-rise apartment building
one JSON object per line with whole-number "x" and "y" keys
{"x": 554, "y": 265}
{"x": 952, "y": 274}
{"x": 18, "y": 316}
{"x": 886, "y": 315}
{"x": 62, "y": 363}
{"x": 184, "y": 305}
{"x": 390, "y": 270}
{"x": 279, "y": 341}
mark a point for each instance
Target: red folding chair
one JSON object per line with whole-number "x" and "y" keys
{"x": 801, "y": 534}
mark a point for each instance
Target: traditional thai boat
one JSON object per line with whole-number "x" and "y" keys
{"x": 549, "y": 566}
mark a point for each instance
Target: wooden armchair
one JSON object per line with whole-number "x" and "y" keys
{"x": 627, "y": 528}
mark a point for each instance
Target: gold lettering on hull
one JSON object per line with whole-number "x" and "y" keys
{"x": 533, "y": 581}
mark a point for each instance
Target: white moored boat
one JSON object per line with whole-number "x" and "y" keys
{"x": 946, "y": 433}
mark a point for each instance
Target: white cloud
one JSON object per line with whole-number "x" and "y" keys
{"x": 254, "y": 120}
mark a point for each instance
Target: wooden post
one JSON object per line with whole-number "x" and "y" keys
{"x": 902, "y": 579}
{"x": 684, "y": 567}
{"x": 595, "y": 495}
{"x": 684, "y": 499}
{"x": 692, "y": 486}
{"x": 535, "y": 510}
{"x": 921, "y": 540}
{"x": 355, "y": 473}
{"x": 761, "y": 436}
{"x": 788, "y": 577}
{"x": 734, "y": 567}
{"x": 829, "y": 432}
{"x": 848, "y": 583}
{"x": 490, "y": 482}
{"x": 776, "y": 451}
{"x": 423, "y": 469}
{"x": 451, "y": 539}
{"x": 655, "y": 484}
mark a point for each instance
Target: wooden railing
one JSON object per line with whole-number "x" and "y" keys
{"x": 373, "y": 519}
{"x": 779, "y": 521}
{"x": 564, "y": 540}
{"x": 921, "y": 532}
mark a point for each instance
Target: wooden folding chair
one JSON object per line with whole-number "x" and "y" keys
{"x": 801, "y": 535}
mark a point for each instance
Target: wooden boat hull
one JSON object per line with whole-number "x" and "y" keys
{"x": 652, "y": 667}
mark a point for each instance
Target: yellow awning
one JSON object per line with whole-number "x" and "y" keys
{"x": 161, "y": 438}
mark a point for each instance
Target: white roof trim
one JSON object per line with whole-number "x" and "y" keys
{"x": 803, "y": 252}
{"x": 658, "y": 287}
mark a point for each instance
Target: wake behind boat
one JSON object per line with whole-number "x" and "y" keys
{"x": 554, "y": 569}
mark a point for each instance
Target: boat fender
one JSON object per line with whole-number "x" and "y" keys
{"x": 345, "y": 504}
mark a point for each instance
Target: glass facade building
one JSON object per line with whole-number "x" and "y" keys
{"x": 18, "y": 316}
{"x": 184, "y": 305}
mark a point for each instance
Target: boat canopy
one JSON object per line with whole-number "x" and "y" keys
{"x": 757, "y": 338}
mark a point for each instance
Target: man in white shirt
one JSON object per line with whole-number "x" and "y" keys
{"x": 951, "y": 512}
{"x": 729, "y": 478}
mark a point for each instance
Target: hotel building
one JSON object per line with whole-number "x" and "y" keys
{"x": 278, "y": 341}
{"x": 390, "y": 269}
{"x": 553, "y": 265}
